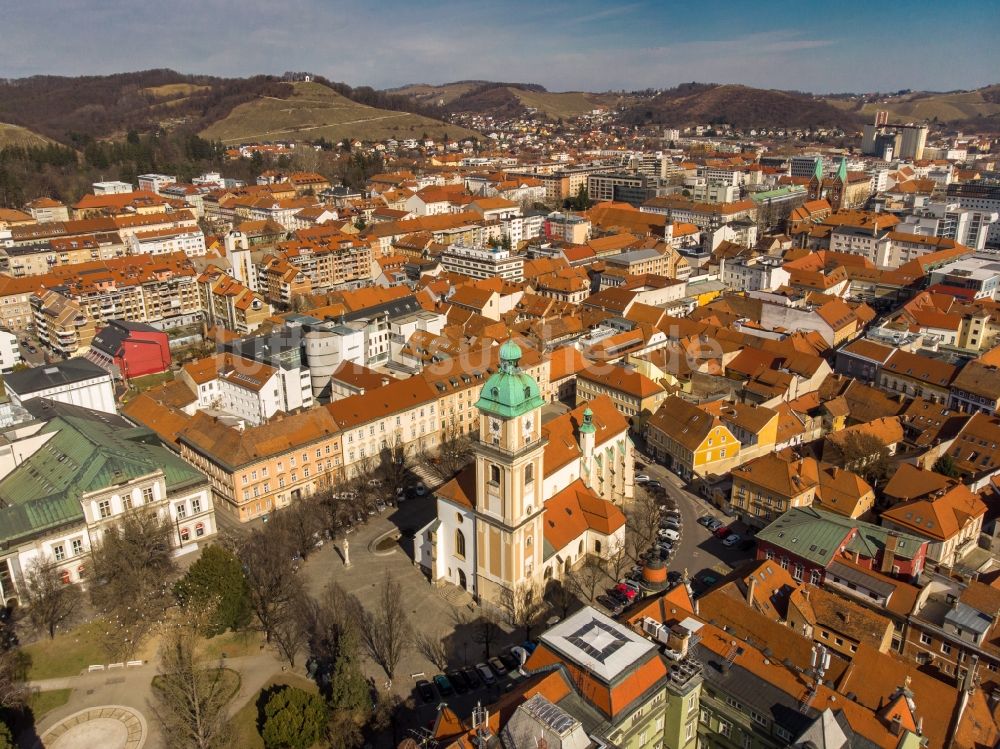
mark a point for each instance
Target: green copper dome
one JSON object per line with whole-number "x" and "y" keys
{"x": 510, "y": 392}
{"x": 587, "y": 427}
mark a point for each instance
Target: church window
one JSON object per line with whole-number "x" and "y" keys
{"x": 495, "y": 392}
{"x": 579, "y": 549}
{"x": 527, "y": 392}
{"x": 459, "y": 543}
{"x": 494, "y": 474}
{"x": 529, "y": 473}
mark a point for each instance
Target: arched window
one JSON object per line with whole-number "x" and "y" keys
{"x": 81, "y": 572}
{"x": 597, "y": 547}
{"x": 199, "y": 530}
{"x": 527, "y": 392}
{"x": 459, "y": 543}
{"x": 579, "y": 549}
{"x": 529, "y": 473}
{"x": 185, "y": 534}
{"x": 65, "y": 577}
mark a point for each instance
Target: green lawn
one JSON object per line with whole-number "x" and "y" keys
{"x": 43, "y": 702}
{"x": 68, "y": 654}
{"x": 244, "y": 722}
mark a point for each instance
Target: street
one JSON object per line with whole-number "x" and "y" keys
{"x": 698, "y": 551}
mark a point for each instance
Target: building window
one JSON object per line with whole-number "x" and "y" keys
{"x": 925, "y": 639}
{"x": 495, "y": 475}
{"x": 946, "y": 648}
{"x": 127, "y": 502}
{"x": 147, "y": 495}
{"x": 725, "y": 728}
{"x": 104, "y": 508}
{"x": 199, "y": 530}
{"x": 196, "y": 505}
{"x": 459, "y": 543}
{"x": 59, "y": 552}
{"x": 77, "y": 546}
{"x": 814, "y": 577}
{"x": 185, "y": 534}
{"x": 182, "y": 507}
{"x": 529, "y": 473}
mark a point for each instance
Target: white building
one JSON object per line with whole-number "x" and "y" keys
{"x": 10, "y": 353}
{"x": 946, "y": 218}
{"x": 111, "y": 188}
{"x": 155, "y": 182}
{"x": 77, "y": 471}
{"x": 757, "y": 274}
{"x": 487, "y": 262}
{"x": 77, "y": 381}
{"x": 165, "y": 241}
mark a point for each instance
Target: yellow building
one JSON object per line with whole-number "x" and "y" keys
{"x": 690, "y": 441}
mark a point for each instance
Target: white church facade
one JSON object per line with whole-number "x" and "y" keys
{"x": 537, "y": 500}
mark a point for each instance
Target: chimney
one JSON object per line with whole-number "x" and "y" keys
{"x": 805, "y": 592}
{"x": 888, "y": 553}
{"x": 896, "y": 726}
{"x": 751, "y": 586}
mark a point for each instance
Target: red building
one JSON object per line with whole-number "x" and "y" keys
{"x": 130, "y": 349}
{"x": 806, "y": 541}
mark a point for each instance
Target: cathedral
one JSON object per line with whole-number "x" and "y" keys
{"x": 832, "y": 188}
{"x": 538, "y": 499}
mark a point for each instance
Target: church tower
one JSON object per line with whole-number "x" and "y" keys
{"x": 836, "y": 188}
{"x": 816, "y": 182}
{"x": 509, "y": 478}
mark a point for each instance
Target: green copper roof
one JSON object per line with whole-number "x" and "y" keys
{"x": 587, "y": 427}
{"x": 87, "y": 451}
{"x": 842, "y": 170}
{"x": 510, "y": 392}
{"x": 818, "y": 171}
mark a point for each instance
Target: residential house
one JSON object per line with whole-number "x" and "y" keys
{"x": 691, "y": 442}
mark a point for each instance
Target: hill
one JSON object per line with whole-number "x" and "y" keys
{"x": 72, "y": 110}
{"x": 15, "y": 135}
{"x": 925, "y": 106}
{"x": 313, "y": 111}
{"x": 506, "y": 99}
{"x": 740, "y": 106}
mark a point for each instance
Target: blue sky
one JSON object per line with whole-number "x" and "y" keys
{"x": 843, "y": 45}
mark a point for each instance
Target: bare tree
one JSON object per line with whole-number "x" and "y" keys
{"x": 13, "y": 675}
{"x": 271, "y": 580}
{"x": 50, "y": 601}
{"x": 642, "y": 519}
{"x": 561, "y": 596}
{"x": 330, "y": 622}
{"x": 867, "y": 456}
{"x": 297, "y": 526}
{"x": 453, "y": 453}
{"x": 191, "y": 698}
{"x": 431, "y": 646}
{"x": 386, "y": 632}
{"x": 618, "y": 558}
{"x": 587, "y": 578}
{"x": 393, "y": 472}
{"x": 523, "y": 605}
{"x": 133, "y": 572}
{"x": 290, "y": 630}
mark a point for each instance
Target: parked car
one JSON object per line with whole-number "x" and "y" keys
{"x": 626, "y": 591}
{"x": 668, "y": 533}
{"x": 731, "y": 539}
{"x": 444, "y": 686}
{"x": 509, "y": 661}
{"x": 675, "y": 576}
{"x": 457, "y": 682}
{"x": 715, "y": 525}
{"x": 706, "y": 520}
{"x": 654, "y": 484}
{"x": 632, "y": 584}
{"x": 671, "y": 512}
{"x": 613, "y": 605}
{"x": 673, "y": 523}
{"x": 485, "y": 673}
{"x": 425, "y": 690}
{"x": 641, "y": 478}
{"x": 722, "y": 531}
{"x": 497, "y": 665}
{"x": 519, "y": 654}
{"x": 472, "y": 679}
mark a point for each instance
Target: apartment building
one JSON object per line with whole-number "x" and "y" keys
{"x": 402, "y": 415}
{"x": 330, "y": 262}
{"x": 77, "y": 382}
{"x": 189, "y": 241}
{"x": 257, "y": 470}
{"x": 62, "y": 325}
{"x": 691, "y": 442}
{"x": 706, "y": 216}
{"x": 281, "y": 282}
{"x": 39, "y": 259}
{"x": 486, "y": 262}
{"x": 635, "y": 396}
{"x": 228, "y": 303}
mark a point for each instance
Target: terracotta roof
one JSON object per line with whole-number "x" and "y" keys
{"x": 573, "y": 511}
{"x": 940, "y": 516}
{"x": 563, "y": 432}
{"x": 624, "y": 380}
